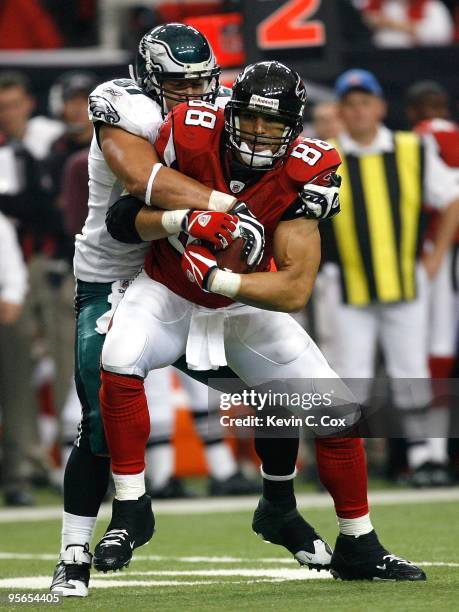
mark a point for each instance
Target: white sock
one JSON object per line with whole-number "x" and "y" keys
{"x": 438, "y": 450}
{"x": 220, "y": 461}
{"x": 160, "y": 464}
{"x": 76, "y": 530}
{"x": 129, "y": 486}
{"x": 355, "y": 526}
{"x": 417, "y": 454}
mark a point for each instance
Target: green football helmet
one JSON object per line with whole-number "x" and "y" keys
{"x": 174, "y": 52}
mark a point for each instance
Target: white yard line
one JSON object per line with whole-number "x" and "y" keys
{"x": 7, "y": 556}
{"x": 108, "y": 580}
{"x": 239, "y": 504}
{"x": 105, "y": 581}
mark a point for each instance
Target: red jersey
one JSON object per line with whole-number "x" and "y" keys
{"x": 191, "y": 141}
{"x": 446, "y": 135}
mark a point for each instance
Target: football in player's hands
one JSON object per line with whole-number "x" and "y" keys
{"x": 233, "y": 259}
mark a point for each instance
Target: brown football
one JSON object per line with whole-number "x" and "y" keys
{"x": 231, "y": 258}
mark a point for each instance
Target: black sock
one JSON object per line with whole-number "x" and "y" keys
{"x": 278, "y": 457}
{"x": 85, "y": 482}
{"x": 280, "y": 493}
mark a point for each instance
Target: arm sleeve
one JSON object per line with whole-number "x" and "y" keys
{"x": 120, "y": 220}
{"x": 440, "y": 182}
{"x": 13, "y": 271}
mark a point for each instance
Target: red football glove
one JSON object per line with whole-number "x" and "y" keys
{"x": 197, "y": 264}
{"x": 218, "y": 228}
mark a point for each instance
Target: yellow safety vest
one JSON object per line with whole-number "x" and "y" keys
{"x": 375, "y": 238}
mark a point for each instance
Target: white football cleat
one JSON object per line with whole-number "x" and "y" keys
{"x": 71, "y": 575}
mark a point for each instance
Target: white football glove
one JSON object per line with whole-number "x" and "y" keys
{"x": 318, "y": 202}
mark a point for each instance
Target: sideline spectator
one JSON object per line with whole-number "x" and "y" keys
{"x": 19, "y": 415}
{"x": 374, "y": 280}
{"x": 16, "y": 107}
{"x": 409, "y": 23}
{"x": 75, "y": 192}
{"x": 326, "y": 122}
{"x": 427, "y": 108}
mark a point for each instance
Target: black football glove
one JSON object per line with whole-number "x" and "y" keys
{"x": 252, "y": 232}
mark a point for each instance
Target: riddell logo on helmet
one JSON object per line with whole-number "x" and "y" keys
{"x": 203, "y": 220}
{"x": 257, "y": 101}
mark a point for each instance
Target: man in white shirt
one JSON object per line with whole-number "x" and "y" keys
{"x": 16, "y": 108}
{"x": 374, "y": 285}
{"x": 18, "y": 414}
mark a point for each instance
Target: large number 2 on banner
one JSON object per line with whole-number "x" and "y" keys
{"x": 286, "y": 27}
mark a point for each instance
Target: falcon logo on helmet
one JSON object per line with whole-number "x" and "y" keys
{"x": 271, "y": 90}
{"x": 174, "y": 52}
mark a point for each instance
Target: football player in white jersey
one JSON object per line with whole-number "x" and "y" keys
{"x": 174, "y": 63}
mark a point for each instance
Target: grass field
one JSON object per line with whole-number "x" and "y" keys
{"x": 212, "y": 561}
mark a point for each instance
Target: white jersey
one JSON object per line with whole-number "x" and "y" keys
{"x": 99, "y": 258}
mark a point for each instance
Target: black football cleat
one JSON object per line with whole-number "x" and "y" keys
{"x": 237, "y": 484}
{"x": 364, "y": 558}
{"x": 71, "y": 575}
{"x": 132, "y": 525}
{"x": 294, "y": 533}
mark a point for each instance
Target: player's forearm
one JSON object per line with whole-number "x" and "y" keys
{"x": 137, "y": 166}
{"x": 149, "y": 225}
{"x": 279, "y": 291}
{"x": 172, "y": 190}
{"x": 131, "y": 222}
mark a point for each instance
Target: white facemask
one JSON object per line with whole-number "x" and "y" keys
{"x": 261, "y": 158}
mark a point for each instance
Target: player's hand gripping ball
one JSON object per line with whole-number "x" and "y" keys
{"x": 246, "y": 252}
{"x": 218, "y": 228}
{"x": 198, "y": 261}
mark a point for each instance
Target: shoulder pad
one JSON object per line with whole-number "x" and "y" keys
{"x": 123, "y": 104}
{"x": 310, "y": 158}
{"x": 196, "y": 123}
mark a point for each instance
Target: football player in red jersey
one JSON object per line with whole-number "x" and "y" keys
{"x": 183, "y": 304}
{"x": 427, "y": 108}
